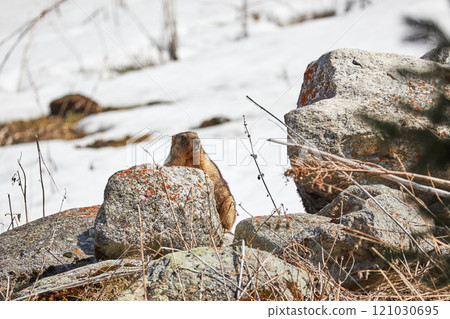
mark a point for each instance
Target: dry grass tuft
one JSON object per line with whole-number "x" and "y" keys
{"x": 45, "y": 127}
{"x": 100, "y": 291}
{"x": 115, "y": 143}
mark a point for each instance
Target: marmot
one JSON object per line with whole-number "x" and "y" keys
{"x": 187, "y": 151}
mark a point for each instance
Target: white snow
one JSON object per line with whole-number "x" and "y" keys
{"x": 73, "y": 49}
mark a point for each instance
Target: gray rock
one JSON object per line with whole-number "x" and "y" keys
{"x": 275, "y": 233}
{"x": 354, "y": 199}
{"x": 440, "y": 55}
{"x": 48, "y": 245}
{"x": 83, "y": 276}
{"x": 344, "y": 87}
{"x": 177, "y": 208}
{"x": 206, "y": 274}
{"x": 345, "y": 244}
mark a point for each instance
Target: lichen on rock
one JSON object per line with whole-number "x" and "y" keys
{"x": 177, "y": 210}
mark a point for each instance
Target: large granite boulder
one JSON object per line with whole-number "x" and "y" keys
{"x": 344, "y": 92}
{"x": 47, "y": 246}
{"x": 177, "y": 207}
{"x": 223, "y": 274}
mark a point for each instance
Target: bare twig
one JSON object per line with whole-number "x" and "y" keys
{"x": 11, "y": 212}
{"x": 24, "y": 29}
{"x": 240, "y": 272}
{"x": 408, "y": 284}
{"x": 390, "y": 283}
{"x": 173, "y": 212}
{"x": 141, "y": 25}
{"x": 244, "y": 18}
{"x": 328, "y": 157}
{"x": 142, "y": 254}
{"x": 23, "y": 187}
{"x": 83, "y": 282}
{"x": 63, "y": 199}
{"x": 40, "y": 174}
{"x": 261, "y": 177}
{"x": 7, "y": 288}
{"x": 383, "y": 173}
{"x": 254, "y": 156}
{"x": 170, "y": 29}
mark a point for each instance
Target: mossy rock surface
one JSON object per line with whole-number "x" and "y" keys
{"x": 215, "y": 274}
{"x": 48, "y": 245}
{"x": 177, "y": 208}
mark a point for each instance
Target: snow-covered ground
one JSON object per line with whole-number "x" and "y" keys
{"x": 74, "y": 49}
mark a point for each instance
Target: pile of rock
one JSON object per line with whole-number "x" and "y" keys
{"x": 169, "y": 214}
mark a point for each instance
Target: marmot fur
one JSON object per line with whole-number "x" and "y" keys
{"x": 187, "y": 151}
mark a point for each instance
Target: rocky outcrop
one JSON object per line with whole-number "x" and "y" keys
{"x": 46, "y": 246}
{"x": 177, "y": 208}
{"x": 351, "y": 235}
{"x": 80, "y": 277}
{"x": 345, "y": 232}
{"x": 224, "y": 274}
{"x": 346, "y": 88}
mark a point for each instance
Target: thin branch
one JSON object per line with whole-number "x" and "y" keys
{"x": 408, "y": 284}
{"x": 383, "y": 173}
{"x": 254, "y": 156}
{"x": 240, "y": 272}
{"x": 40, "y": 174}
{"x": 142, "y": 254}
{"x": 23, "y": 30}
{"x": 391, "y": 177}
{"x": 10, "y": 212}
{"x": 83, "y": 282}
{"x": 23, "y": 187}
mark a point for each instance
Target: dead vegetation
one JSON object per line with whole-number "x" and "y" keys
{"x": 116, "y": 142}
{"x": 45, "y": 127}
{"x": 61, "y": 124}
{"x": 99, "y": 291}
{"x": 418, "y": 276}
{"x": 217, "y": 120}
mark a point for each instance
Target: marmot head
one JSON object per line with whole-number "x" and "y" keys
{"x": 185, "y": 150}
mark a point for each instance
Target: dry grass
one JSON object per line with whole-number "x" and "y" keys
{"x": 107, "y": 290}
{"x": 419, "y": 277}
{"x": 56, "y": 127}
{"x": 116, "y": 143}
{"x": 414, "y": 281}
{"x": 403, "y": 280}
{"x": 45, "y": 127}
{"x": 217, "y": 120}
